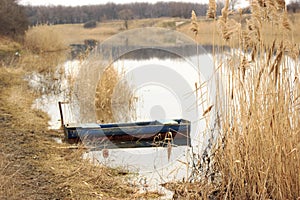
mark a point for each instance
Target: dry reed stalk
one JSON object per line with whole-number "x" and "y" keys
{"x": 228, "y": 27}
{"x": 44, "y": 38}
{"x": 212, "y": 10}
{"x": 195, "y": 27}
{"x": 281, "y": 4}
{"x": 285, "y": 22}
{"x": 104, "y": 94}
{"x": 114, "y": 100}
{"x": 257, "y": 155}
{"x": 259, "y": 151}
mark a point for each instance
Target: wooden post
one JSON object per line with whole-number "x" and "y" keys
{"x": 61, "y": 115}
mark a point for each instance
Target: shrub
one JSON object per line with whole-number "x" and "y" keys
{"x": 90, "y": 24}
{"x": 44, "y": 38}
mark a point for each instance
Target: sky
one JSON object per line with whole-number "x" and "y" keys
{"x": 93, "y": 2}
{"x": 242, "y": 3}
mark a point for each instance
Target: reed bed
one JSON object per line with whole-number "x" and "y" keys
{"x": 256, "y": 155}
{"x": 44, "y": 38}
{"x": 114, "y": 100}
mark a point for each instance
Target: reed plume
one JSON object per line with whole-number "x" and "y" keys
{"x": 227, "y": 27}
{"x": 194, "y": 28}
{"x": 212, "y": 10}
{"x": 285, "y": 21}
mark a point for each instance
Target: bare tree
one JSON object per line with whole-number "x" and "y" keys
{"x": 233, "y": 4}
{"x": 13, "y": 21}
{"x": 294, "y": 6}
{"x": 111, "y": 11}
{"x": 125, "y": 15}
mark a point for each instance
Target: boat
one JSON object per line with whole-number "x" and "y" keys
{"x": 133, "y": 134}
{"x": 161, "y": 132}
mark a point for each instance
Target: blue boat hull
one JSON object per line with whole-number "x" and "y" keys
{"x": 137, "y": 134}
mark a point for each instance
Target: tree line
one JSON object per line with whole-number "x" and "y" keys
{"x": 111, "y": 11}
{"x": 15, "y": 19}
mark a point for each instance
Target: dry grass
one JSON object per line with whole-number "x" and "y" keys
{"x": 76, "y": 34}
{"x": 44, "y": 38}
{"x": 33, "y": 166}
{"x": 103, "y": 92}
{"x": 208, "y": 35}
{"x": 42, "y": 62}
{"x": 7, "y": 181}
{"x": 257, "y": 153}
{"x": 104, "y": 95}
{"x": 113, "y": 100}
{"x": 8, "y": 45}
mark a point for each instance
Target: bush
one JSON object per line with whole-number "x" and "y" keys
{"x": 90, "y": 24}
{"x": 44, "y": 38}
{"x": 13, "y": 21}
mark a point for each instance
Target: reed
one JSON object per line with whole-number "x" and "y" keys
{"x": 44, "y": 38}
{"x": 114, "y": 100}
{"x": 256, "y": 155}
{"x": 212, "y": 10}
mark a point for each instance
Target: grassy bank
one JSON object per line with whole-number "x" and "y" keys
{"x": 32, "y": 164}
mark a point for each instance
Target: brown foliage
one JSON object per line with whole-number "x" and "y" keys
{"x": 13, "y": 21}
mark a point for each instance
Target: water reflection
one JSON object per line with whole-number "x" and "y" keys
{"x": 164, "y": 89}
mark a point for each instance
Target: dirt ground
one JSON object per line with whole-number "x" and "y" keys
{"x": 34, "y": 166}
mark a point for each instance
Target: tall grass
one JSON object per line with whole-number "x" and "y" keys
{"x": 257, "y": 156}
{"x": 44, "y": 38}
{"x": 114, "y": 100}
{"x": 257, "y": 153}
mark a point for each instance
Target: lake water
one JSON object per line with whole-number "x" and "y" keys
{"x": 163, "y": 69}
{"x": 165, "y": 89}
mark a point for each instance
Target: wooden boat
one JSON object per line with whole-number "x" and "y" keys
{"x": 134, "y": 134}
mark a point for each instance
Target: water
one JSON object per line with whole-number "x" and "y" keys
{"x": 48, "y": 102}
{"x": 163, "y": 71}
{"x": 151, "y": 164}
{"x": 165, "y": 89}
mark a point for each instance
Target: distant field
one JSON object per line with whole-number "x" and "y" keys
{"x": 75, "y": 33}
{"x": 208, "y": 30}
